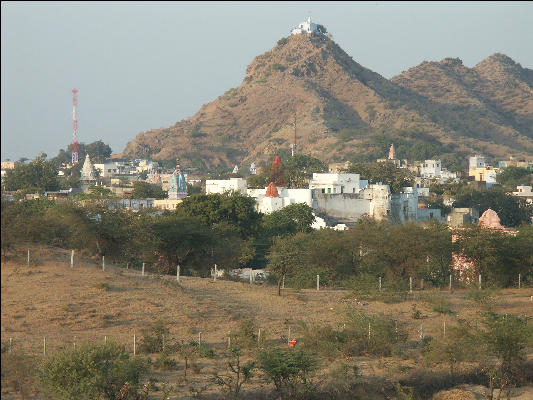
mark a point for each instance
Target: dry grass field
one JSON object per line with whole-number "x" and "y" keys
{"x": 67, "y": 305}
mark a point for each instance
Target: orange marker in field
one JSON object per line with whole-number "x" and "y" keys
{"x": 292, "y": 343}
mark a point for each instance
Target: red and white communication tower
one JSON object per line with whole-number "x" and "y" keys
{"x": 74, "y": 127}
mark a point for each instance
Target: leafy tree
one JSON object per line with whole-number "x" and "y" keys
{"x": 179, "y": 239}
{"x": 514, "y": 176}
{"x": 289, "y": 370}
{"x": 386, "y": 172}
{"x": 294, "y": 218}
{"x": 37, "y": 176}
{"x": 504, "y": 340}
{"x": 283, "y": 259}
{"x": 97, "y": 150}
{"x": 90, "y": 372}
{"x": 299, "y": 168}
{"x": 507, "y": 207}
{"x": 498, "y": 256}
{"x": 293, "y": 172}
{"x": 235, "y": 208}
{"x": 143, "y": 190}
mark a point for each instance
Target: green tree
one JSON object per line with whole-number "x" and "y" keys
{"x": 386, "y": 172}
{"x": 495, "y": 198}
{"x": 289, "y": 370}
{"x": 514, "y": 176}
{"x": 90, "y": 372}
{"x": 143, "y": 190}
{"x": 294, "y": 218}
{"x": 498, "y": 256}
{"x": 504, "y": 340}
{"x": 235, "y": 208}
{"x": 38, "y": 175}
{"x": 179, "y": 239}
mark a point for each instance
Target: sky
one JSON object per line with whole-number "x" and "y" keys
{"x": 140, "y": 66}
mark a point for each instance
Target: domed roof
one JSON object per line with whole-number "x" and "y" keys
{"x": 490, "y": 219}
{"x": 271, "y": 191}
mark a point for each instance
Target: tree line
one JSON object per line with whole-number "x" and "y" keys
{"x": 227, "y": 230}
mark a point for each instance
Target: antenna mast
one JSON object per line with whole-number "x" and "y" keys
{"x": 74, "y": 126}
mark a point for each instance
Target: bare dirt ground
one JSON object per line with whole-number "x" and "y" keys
{"x": 67, "y": 305}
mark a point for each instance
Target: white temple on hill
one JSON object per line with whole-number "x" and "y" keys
{"x": 305, "y": 27}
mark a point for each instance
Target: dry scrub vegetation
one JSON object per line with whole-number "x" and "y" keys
{"x": 85, "y": 304}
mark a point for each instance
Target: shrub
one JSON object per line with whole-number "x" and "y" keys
{"x": 91, "y": 372}
{"x": 153, "y": 339}
{"x": 18, "y": 372}
{"x": 289, "y": 370}
{"x": 385, "y": 334}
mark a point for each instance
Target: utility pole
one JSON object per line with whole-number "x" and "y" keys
{"x": 293, "y": 146}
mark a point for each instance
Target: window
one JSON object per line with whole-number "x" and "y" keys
{"x": 329, "y": 190}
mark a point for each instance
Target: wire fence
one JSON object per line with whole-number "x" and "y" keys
{"x": 42, "y": 344}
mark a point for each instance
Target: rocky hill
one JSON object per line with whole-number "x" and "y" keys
{"x": 345, "y": 111}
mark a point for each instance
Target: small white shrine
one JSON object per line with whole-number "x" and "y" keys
{"x": 305, "y": 27}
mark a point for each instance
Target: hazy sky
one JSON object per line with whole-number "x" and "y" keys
{"x": 139, "y": 66}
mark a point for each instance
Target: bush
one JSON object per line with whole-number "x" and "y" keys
{"x": 91, "y": 372}
{"x": 385, "y": 334}
{"x": 18, "y": 372}
{"x": 153, "y": 339}
{"x": 289, "y": 370}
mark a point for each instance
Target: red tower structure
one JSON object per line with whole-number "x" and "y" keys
{"x": 74, "y": 126}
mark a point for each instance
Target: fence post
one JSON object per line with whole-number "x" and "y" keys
{"x": 134, "y": 345}
{"x": 44, "y": 346}
{"x": 369, "y": 331}
{"x": 215, "y": 274}
{"x": 72, "y": 259}
{"x": 450, "y": 286}
{"x": 259, "y": 336}
{"x": 479, "y": 281}
{"x": 199, "y": 338}
{"x": 103, "y": 263}
{"x": 317, "y": 283}
{"x": 105, "y": 339}
{"x": 128, "y": 265}
{"x": 251, "y": 276}
{"x": 283, "y": 282}
{"x": 229, "y": 339}
{"x": 178, "y": 273}
{"x": 410, "y": 284}
{"x": 380, "y": 283}
{"x": 444, "y": 328}
{"x": 143, "y": 270}
{"x": 11, "y": 344}
{"x": 28, "y": 260}
{"x": 421, "y": 331}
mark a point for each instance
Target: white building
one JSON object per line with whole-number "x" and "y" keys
{"x": 524, "y": 192}
{"x": 274, "y": 198}
{"x": 430, "y": 169}
{"x": 305, "y": 27}
{"x": 476, "y": 162}
{"x": 336, "y": 183}
{"x": 225, "y": 185}
{"x": 253, "y": 169}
